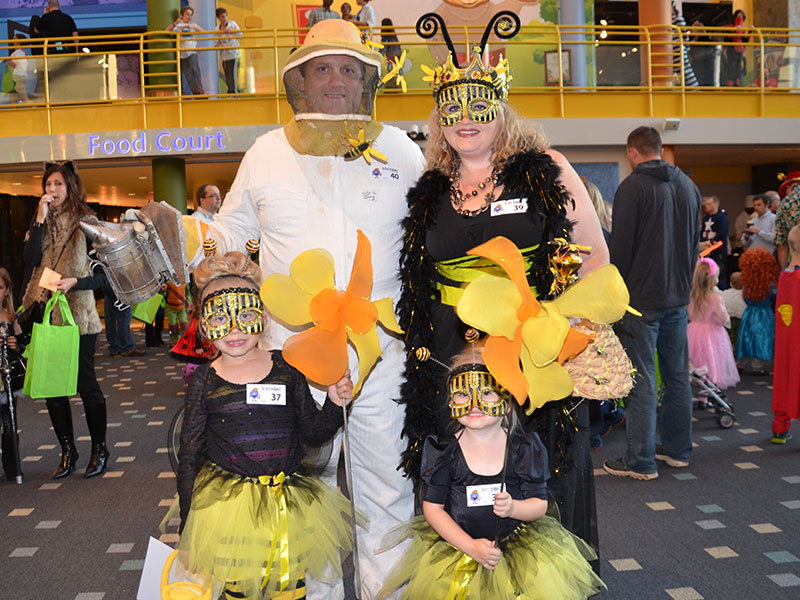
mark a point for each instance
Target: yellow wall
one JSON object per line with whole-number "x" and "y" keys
{"x": 722, "y": 174}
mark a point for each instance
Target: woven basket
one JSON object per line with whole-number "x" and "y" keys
{"x": 603, "y": 370}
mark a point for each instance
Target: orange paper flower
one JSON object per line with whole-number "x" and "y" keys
{"x": 537, "y": 335}
{"x": 307, "y": 295}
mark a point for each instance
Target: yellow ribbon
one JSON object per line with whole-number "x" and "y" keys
{"x": 465, "y": 569}
{"x": 281, "y": 525}
{"x": 466, "y": 269}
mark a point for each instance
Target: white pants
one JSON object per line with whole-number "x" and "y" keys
{"x": 380, "y": 490}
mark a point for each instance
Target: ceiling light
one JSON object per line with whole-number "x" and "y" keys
{"x": 634, "y": 49}
{"x": 16, "y": 183}
{"x": 142, "y": 176}
{"x": 85, "y": 50}
{"x": 603, "y": 22}
{"x": 624, "y": 54}
{"x": 603, "y": 34}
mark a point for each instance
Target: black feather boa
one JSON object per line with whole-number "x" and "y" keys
{"x": 531, "y": 175}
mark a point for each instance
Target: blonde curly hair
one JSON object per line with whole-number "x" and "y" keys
{"x": 231, "y": 265}
{"x": 516, "y": 135}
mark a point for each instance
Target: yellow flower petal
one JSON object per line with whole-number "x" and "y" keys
{"x": 546, "y": 383}
{"x": 386, "y": 315}
{"x": 491, "y": 304}
{"x": 285, "y": 300}
{"x": 601, "y": 297}
{"x": 368, "y": 349}
{"x": 543, "y": 337}
{"x": 313, "y": 270}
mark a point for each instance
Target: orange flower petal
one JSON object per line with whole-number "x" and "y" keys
{"x": 359, "y": 315}
{"x": 502, "y": 359}
{"x": 360, "y": 284}
{"x": 573, "y": 345}
{"x": 318, "y": 354}
{"x": 326, "y": 308}
{"x": 506, "y": 254}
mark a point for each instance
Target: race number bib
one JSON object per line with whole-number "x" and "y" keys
{"x": 508, "y": 207}
{"x": 482, "y": 495}
{"x": 266, "y": 394}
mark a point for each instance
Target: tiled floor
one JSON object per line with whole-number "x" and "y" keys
{"x": 725, "y": 527}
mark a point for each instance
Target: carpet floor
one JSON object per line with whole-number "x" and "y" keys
{"x": 728, "y": 526}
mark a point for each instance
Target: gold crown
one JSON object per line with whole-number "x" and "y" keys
{"x": 498, "y": 78}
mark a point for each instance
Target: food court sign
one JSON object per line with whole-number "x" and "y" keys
{"x": 155, "y": 142}
{"x": 134, "y": 143}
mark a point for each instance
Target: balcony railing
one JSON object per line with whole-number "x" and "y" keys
{"x": 562, "y": 71}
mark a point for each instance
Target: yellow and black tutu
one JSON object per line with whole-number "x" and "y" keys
{"x": 265, "y": 532}
{"x": 540, "y": 561}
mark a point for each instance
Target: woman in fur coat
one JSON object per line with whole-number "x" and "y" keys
{"x": 56, "y": 241}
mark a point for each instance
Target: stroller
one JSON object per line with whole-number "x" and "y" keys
{"x": 714, "y": 396}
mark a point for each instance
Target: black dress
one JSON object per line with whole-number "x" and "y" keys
{"x": 435, "y": 233}
{"x": 539, "y": 559}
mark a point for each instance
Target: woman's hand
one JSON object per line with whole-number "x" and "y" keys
{"x": 503, "y": 505}
{"x": 485, "y": 553}
{"x": 44, "y": 207}
{"x": 341, "y": 392}
{"x": 12, "y": 343}
{"x": 65, "y": 285}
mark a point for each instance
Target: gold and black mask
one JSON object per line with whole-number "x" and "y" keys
{"x": 474, "y": 100}
{"x": 230, "y": 308}
{"x": 467, "y": 385}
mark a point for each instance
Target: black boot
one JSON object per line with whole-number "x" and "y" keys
{"x": 69, "y": 458}
{"x": 96, "y": 420}
{"x": 61, "y": 417}
{"x": 97, "y": 463}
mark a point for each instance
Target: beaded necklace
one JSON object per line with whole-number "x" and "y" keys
{"x": 457, "y": 197}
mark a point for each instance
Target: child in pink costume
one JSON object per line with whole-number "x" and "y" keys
{"x": 786, "y": 377}
{"x": 709, "y": 343}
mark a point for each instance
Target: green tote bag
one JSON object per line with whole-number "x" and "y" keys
{"x": 146, "y": 311}
{"x": 53, "y": 354}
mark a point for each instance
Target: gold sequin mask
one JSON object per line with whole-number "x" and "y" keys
{"x": 467, "y": 384}
{"x": 231, "y": 308}
{"x": 476, "y": 101}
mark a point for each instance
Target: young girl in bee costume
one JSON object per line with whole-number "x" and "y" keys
{"x": 249, "y": 518}
{"x": 476, "y": 541}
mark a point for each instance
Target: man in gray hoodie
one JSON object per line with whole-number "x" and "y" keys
{"x": 654, "y": 244}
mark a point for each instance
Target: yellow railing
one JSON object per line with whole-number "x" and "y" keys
{"x": 631, "y": 71}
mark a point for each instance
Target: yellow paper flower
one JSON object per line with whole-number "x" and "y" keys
{"x": 307, "y": 295}
{"x": 396, "y": 71}
{"x": 537, "y": 335}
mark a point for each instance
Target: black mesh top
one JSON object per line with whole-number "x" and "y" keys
{"x": 249, "y": 439}
{"x": 447, "y": 477}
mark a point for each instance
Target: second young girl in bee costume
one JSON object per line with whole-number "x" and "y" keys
{"x": 249, "y": 517}
{"x": 474, "y": 540}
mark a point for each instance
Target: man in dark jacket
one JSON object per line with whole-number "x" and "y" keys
{"x": 654, "y": 244}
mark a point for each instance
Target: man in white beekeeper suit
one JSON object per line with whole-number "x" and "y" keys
{"x": 296, "y": 190}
